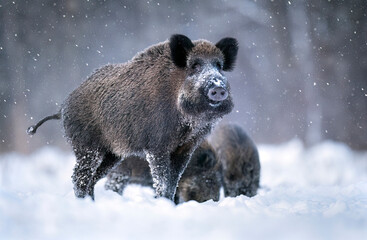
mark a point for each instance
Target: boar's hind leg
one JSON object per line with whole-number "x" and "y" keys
{"x": 109, "y": 160}
{"x": 86, "y": 161}
{"x": 90, "y": 167}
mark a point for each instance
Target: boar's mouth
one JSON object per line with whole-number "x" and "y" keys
{"x": 215, "y": 95}
{"x": 214, "y": 103}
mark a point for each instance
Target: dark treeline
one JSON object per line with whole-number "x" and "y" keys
{"x": 301, "y": 70}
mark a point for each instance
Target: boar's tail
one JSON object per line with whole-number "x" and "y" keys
{"x": 32, "y": 129}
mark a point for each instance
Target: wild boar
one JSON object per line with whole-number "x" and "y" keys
{"x": 160, "y": 105}
{"x": 202, "y": 179}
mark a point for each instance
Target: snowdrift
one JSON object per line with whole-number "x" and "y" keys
{"x": 317, "y": 193}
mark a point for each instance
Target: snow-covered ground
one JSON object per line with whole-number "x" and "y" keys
{"x": 319, "y": 193}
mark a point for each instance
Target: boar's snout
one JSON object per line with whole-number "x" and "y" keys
{"x": 217, "y": 89}
{"x": 217, "y": 94}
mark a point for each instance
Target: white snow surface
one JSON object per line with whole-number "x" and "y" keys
{"x": 316, "y": 193}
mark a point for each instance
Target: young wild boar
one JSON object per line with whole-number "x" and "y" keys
{"x": 239, "y": 158}
{"x": 160, "y": 105}
{"x": 201, "y": 180}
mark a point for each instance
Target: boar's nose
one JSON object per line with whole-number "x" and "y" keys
{"x": 217, "y": 94}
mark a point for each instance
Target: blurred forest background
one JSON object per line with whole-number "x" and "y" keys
{"x": 301, "y": 70}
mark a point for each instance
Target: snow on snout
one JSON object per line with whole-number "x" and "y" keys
{"x": 212, "y": 75}
{"x": 217, "y": 82}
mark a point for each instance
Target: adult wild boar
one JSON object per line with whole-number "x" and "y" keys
{"x": 159, "y": 105}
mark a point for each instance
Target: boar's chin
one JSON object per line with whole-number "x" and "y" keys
{"x": 223, "y": 108}
{"x": 205, "y": 107}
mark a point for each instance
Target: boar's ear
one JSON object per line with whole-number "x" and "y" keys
{"x": 180, "y": 47}
{"x": 229, "y": 48}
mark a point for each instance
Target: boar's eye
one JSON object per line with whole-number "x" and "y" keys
{"x": 196, "y": 66}
{"x": 218, "y": 65}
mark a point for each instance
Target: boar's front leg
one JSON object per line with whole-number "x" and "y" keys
{"x": 166, "y": 171}
{"x": 164, "y": 179}
{"x": 182, "y": 155}
{"x": 180, "y": 159}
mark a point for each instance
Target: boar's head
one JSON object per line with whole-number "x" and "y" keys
{"x": 205, "y": 91}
